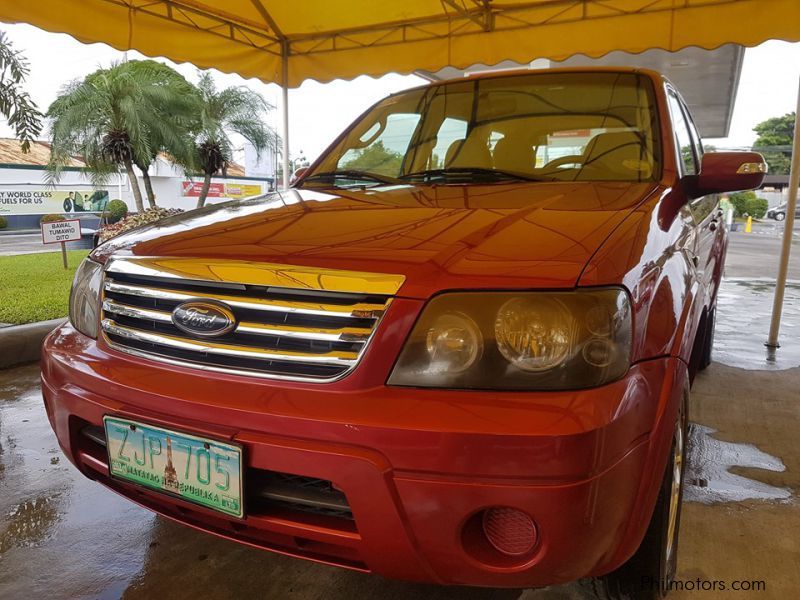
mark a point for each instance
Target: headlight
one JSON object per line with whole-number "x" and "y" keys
{"x": 453, "y": 342}
{"x": 523, "y": 341}
{"x": 84, "y": 299}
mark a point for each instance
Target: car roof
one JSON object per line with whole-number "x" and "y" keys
{"x": 653, "y": 75}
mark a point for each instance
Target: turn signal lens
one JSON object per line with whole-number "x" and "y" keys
{"x": 518, "y": 340}
{"x": 84, "y": 299}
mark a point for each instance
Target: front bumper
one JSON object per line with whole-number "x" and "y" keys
{"x": 414, "y": 465}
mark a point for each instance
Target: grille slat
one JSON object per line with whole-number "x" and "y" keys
{"x": 342, "y": 334}
{"x": 158, "y": 339}
{"x": 301, "y": 334}
{"x": 369, "y": 311}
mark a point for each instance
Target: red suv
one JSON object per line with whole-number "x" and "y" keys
{"x": 457, "y": 350}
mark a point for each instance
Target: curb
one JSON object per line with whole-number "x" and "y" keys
{"x": 23, "y": 343}
{"x": 20, "y": 232}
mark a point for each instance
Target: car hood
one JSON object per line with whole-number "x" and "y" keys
{"x": 526, "y": 235}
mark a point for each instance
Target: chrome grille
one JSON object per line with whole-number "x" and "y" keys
{"x": 282, "y": 332}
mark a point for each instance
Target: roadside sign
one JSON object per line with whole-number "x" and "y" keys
{"x": 60, "y": 232}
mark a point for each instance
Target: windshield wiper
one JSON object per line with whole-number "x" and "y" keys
{"x": 351, "y": 174}
{"x": 478, "y": 174}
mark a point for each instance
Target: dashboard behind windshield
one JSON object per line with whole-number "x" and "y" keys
{"x": 579, "y": 126}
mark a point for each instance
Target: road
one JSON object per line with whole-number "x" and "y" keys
{"x": 11, "y": 244}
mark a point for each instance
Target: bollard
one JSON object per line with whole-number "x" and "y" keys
{"x": 748, "y": 228}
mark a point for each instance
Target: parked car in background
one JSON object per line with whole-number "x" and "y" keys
{"x": 779, "y": 212}
{"x": 458, "y": 350}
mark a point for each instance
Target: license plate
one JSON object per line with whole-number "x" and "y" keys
{"x": 203, "y": 471}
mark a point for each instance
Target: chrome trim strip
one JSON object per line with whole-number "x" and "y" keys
{"x": 370, "y": 311}
{"x": 335, "y": 335}
{"x": 136, "y": 312}
{"x": 111, "y": 327}
{"x": 258, "y": 329}
{"x": 197, "y": 366}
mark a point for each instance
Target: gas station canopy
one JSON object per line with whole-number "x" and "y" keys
{"x": 289, "y": 42}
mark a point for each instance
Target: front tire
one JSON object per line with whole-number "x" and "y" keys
{"x": 648, "y": 574}
{"x": 708, "y": 341}
{"x": 780, "y": 216}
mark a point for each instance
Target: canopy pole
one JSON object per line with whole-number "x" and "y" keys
{"x": 791, "y": 206}
{"x": 285, "y": 110}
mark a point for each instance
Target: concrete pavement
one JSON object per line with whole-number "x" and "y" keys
{"x": 28, "y": 243}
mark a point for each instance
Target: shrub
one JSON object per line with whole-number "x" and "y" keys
{"x": 740, "y": 200}
{"x": 51, "y": 218}
{"x": 136, "y": 220}
{"x": 757, "y": 207}
{"x": 116, "y": 210}
{"x": 747, "y": 203}
{"x": 3, "y": 222}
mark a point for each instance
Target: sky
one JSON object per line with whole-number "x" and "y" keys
{"x": 319, "y": 112}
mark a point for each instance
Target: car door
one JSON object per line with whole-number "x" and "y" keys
{"x": 705, "y": 210}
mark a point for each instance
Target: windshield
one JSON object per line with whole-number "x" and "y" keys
{"x": 581, "y": 126}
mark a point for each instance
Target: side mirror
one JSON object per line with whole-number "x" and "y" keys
{"x": 730, "y": 172}
{"x": 297, "y": 175}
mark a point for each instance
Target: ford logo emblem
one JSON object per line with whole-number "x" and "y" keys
{"x": 203, "y": 318}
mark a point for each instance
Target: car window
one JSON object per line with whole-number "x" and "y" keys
{"x": 381, "y": 148}
{"x": 582, "y": 126}
{"x": 683, "y": 137}
{"x": 697, "y": 141}
{"x": 702, "y": 207}
{"x": 562, "y": 144}
{"x": 451, "y": 131}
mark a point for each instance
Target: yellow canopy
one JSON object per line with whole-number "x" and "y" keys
{"x": 327, "y": 39}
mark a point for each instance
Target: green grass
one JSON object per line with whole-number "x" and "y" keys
{"x": 35, "y": 287}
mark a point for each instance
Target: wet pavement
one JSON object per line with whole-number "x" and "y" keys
{"x": 65, "y": 537}
{"x": 744, "y": 309}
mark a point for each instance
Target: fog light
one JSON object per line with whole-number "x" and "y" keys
{"x": 509, "y": 530}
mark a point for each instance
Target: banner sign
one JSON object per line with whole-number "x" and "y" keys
{"x": 61, "y": 231}
{"x": 44, "y": 202}
{"x": 241, "y": 190}
{"x": 192, "y": 189}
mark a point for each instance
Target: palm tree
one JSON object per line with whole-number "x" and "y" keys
{"x": 235, "y": 109}
{"x": 176, "y": 101}
{"x": 15, "y": 104}
{"x": 120, "y": 117}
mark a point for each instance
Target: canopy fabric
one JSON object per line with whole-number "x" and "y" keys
{"x": 327, "y": 40}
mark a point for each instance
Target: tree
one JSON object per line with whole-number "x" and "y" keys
{"x": 775, "y": 138}
{"x": 235, "y": 109}
{"x": 15, "y": 104}
{"x": 376, "y": 158}
{"x": 120, "y": 117}
{"x": 175, "y": 101}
